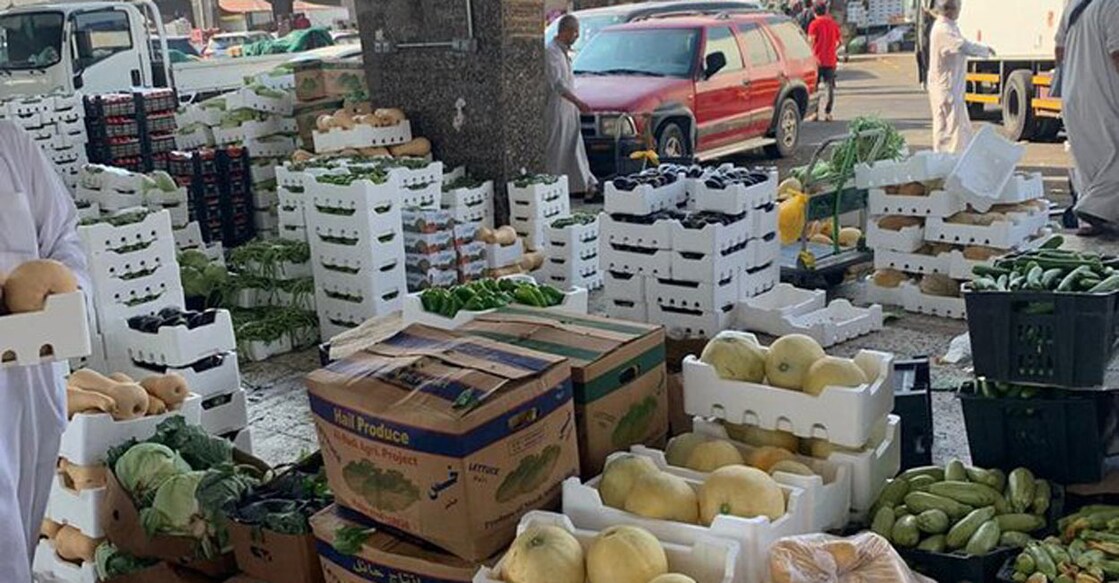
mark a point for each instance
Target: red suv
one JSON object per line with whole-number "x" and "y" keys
{"x": 702, "y": 87}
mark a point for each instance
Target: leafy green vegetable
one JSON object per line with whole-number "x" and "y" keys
{"x": 199, "y": 449}
{"x": 145, "y": 467}
{"x": 348, "y": 540}
{"x": 111, "y": 562}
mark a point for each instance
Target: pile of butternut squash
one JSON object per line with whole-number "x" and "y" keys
{"x": 123, "y": 398}
{"x": 70, "y": 543}
{"x": 347, "y": 119}
{"x": 27, "y": 287}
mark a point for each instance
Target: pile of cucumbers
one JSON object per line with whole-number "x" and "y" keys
{"x": 960, "y": 509}
{"x": 1087, "y": 552}
{"x": 1049, "y": 269}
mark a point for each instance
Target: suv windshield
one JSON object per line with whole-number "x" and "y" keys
{"x": 589, "y": 27}
{"x": 658, "y": 52}
{"x": 30, "y": 40}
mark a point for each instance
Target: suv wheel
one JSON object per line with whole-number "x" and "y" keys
{"x": 787, "y": 130}
{"x": 671, "y": 142}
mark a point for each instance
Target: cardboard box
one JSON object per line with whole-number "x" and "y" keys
{"x": 617, "y": 369}
{"x": 444, "y": 437}
{"x": 318, "y": 79}
{"x": 385, "y": 557}
{"x": 307, "y": 113}
{"x": 164, "y": 573}
{"x": 273, "y": 557}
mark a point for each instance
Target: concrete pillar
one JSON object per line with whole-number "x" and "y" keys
{"x": 482, "y": 108}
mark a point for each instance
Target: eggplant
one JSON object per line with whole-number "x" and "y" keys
{"x": 169, "y": 312}
{"x": 715, "y": 183}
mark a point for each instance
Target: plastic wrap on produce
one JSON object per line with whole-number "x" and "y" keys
{"x": 818, "y": 558}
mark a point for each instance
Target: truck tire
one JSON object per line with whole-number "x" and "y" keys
{"x": 786, "y": 130}
{"x": 1017, "y": 113}
{"x": 672, "y": 143}
{"x": 1047, "y": 128}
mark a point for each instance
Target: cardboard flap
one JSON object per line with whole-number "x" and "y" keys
{"x": 556, "y": 321}
{"x": 466, "y": 352}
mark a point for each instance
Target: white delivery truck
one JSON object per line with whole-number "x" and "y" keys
{"x": 1017, "y": 80}
{"x": 104, "y": 47}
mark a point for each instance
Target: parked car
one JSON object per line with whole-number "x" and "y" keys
{"x": 699, "y": 87}
{"x": 593, "y": 20}
{"x": 229, "y": 44}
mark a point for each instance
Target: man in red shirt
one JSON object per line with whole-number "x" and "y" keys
{"x": 825, "y": 36}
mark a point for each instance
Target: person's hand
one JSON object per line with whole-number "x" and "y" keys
{"x": 583, "y": 107}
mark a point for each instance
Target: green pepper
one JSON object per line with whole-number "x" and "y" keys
{"x": 475, "y": 304}
{"x": 464, "y": 293}
{"x": 530, "y": 297}
{"x": 553, "y": 296}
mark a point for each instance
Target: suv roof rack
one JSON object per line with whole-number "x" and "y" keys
{"x": 722, "y": 13}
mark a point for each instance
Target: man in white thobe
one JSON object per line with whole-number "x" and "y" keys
{"x": 947, "y": 83}
{"x": 565, "y": 151}
{"x": 38, "y": 220}
{"x": 1091, "y": 108}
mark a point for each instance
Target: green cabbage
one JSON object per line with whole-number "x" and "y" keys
{"x": 145, "y": 467}
{"x": 175, "y": 509}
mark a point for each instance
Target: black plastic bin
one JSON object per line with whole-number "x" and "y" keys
{"x": 1047, "y": 338}
{"x": 913, "y": 403}
{"x": 953, "y": 568}
{"x": 1065, "y": 437}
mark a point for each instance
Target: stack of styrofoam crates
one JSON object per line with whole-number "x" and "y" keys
{"x": 290, "y": 196}
{"x": 534, "y": 202}
{"x": 687, "y": 269}
{"x": 78, "y": 491}
{"x": 936, "y": 234}
{"x": 431, "y": 257}
{"x": 112, "y": 190}
{"x": 357, "y": 249}
{"x": 57, "y": 124}
{"x": 266, "y": 199}
{"x": 468, "y": 200}
{"x": 853, "y": 427}
{"x": 571, "y": 253}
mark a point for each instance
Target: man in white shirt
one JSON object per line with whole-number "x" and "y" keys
{"x": 1091, "y": 107}
{"x": 567, "y": 155}
{"x": 38, "y": 220}
{"x": 947, "y": 79}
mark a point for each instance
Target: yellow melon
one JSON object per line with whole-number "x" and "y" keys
{"x": 850, "y": 236}
{"x": 789, "y": 359}
{"x": 736, "y": 357}
{"x": 764, "y": 458}
{"x": 619, "y": 477}
{"x": 715, "y": 454}
{"x": 740, "y": 491}
{"x": 791, "y": 467}
{"x": 756, "y": 436}
{"x": 625, "y": 554}
{"x": 680, "y": 448}
{"x": 673, "y": 578}
{"x": 663, "y": 496}
{"x": 544, "y": 554}
{"x": 833, "y": 372}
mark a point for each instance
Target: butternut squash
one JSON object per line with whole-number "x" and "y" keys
{"x": 359, "y": 108}
{"x": 72, "y": 545}
{"x": 374, "y": 152}
{"x": 131, "y": 399}
{"x": 156, "y": 406}
{"x": 343, "y": 119}
{"x": 301, "y": 156}
{"x": 49, "y": 529}
{"x": 896, "y": 223}
{"x": 170, "y": 388}
{"x": 83, "y": 477}
{"x": 27, "y": 288}
{"x": 325, "y": 123}
{"x": 912, "y": 189}
{"x": 83, "y": 401}
{"x": 417, "y": 148}
{"x": 889, "y": 278}
{"x": 2, "y": 278}
{"x": 393, "y": 115}
{"x": 980, "y": 253}
{"x": 505, "y": 236}
{"x": 487, "y": 235}
{"x": 121, "y": 378}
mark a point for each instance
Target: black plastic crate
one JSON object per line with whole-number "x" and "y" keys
{"x": 913, "y": 403}
{"x": 1064, "y": 436}
{"x": 1047, "y": 338}
{"x": 161, "y": 123}
{"x": 953, "y": 568}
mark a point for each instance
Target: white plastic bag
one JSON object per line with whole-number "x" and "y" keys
{"x": 819, "y": 558}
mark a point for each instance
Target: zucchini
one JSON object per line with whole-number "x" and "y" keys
{"x": 933, "y": 522}
{"x": 936, "y": 472}
{"x": 1051, "y": 278}
{"x": 971, "y": 494}
{"x": 921, "y": 483}
{"x": 961, "y": 532}
{"x": 955, "y": 471}
{"x": 1044, "y": 562}
{"x": 1020, "y": 491}
{"x": 921, "y": 501}
{"x": 1015, "y": 539}
{"x": 933, "y": 544}
{"x": 905, "y": 533}
{"x": 894, "y": 492}
{"x": 981, "y": 476}
{"x": 1106, "y": 286}
{"x": 984, "y": 540}
{"x": 883, "y": 522}
{"x": 1020, "y": 522}
{"x": 1042, "y": 494}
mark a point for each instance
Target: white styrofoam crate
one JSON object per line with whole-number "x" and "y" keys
{"x": 294, "y": 181}
{"x": 48, "y": 567}
{"x": 575, "y": 302}
{"x": 88, "y": 438}
{"x": 421, "y": 195}
{"x": 921, "y": 167}
{"x": 363, "y": 136}
{"x": 577, "y": 236}
{"x": 147, "y": 297}
{"x": 843, "y": 416}
{"x": 105, "y": 238}
{"x": 759, "y": 280}
{"x": 909, "y": 296}
{"x": 498, "y": 256}
{"x": 116, "y": 290}
{"x": 265, "y": 199}
{"x": 197, "y": 137}
{"x": 533, "y": 231}
{"x": 542, "y": 204}
{"x": 588, "y": 281}
{"x": 570, "y": 269}
{"x": 377, "y": 298}
{"x": 913, "y": 262}
{"x": 658, "y": 235}
{"x": 202, "y": 378}
{"x": 627, "y": 309}
{"x": 985, "y": 166}
{"x": 736, "y": 199}
{"x": 766, "y": 312}
{"x": 61, "y": 325}
{"x": 467, "y": 197}
{"x": 188, "y": 237}
{"x": 180, "y": 215}
{"x": 258, "y": 350}
{"x": 645, "y": 199}
{"x": 906, "y": 240}
{"x": 266, "y": 220}
{"x": 633, "y": 261}
{"x": 839, "y": 322}
{"x": 710, "y": 268}
{"x": 271, "y": 147}
{"x": 378, "y": 260}
{"x": 246, "y": 98}
{"x": 1005, "y": 234}
{"x": 938, "y": 203}
{"x": 582, "y": 503}
{"x": 80, "y": 509}
{"x": 697, "y": 296}
{"x": 242, "y": 439}
{"x": 575, "y": 251}
{"x": 708, "y": 560}
{"x": 369, "y": 231}
{"x": 763, "y": 221}
{"x": 622, "y": 286}
{"x": 686, "y": 323}
{"x": 178, "y": 346}
{"x": 827, "y": 494}
{"x": 226, "y": 413}
{"x": 714, "y": 238}
{"x": 294, "y": 233}
{"x": 540, "y": 193}
{"x": 281, "y": 271}
{"x": 480, "y": 212}
{"x": 346, "y": 314}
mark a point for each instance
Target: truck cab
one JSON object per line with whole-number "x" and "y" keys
{"x": 95, "y": 47}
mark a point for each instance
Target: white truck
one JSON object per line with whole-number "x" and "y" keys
{"x": 1018, "y": 79}
{"x": 105, "y": 47}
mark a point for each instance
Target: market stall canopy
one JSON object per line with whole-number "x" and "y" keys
{"x": 246, "y": 6}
